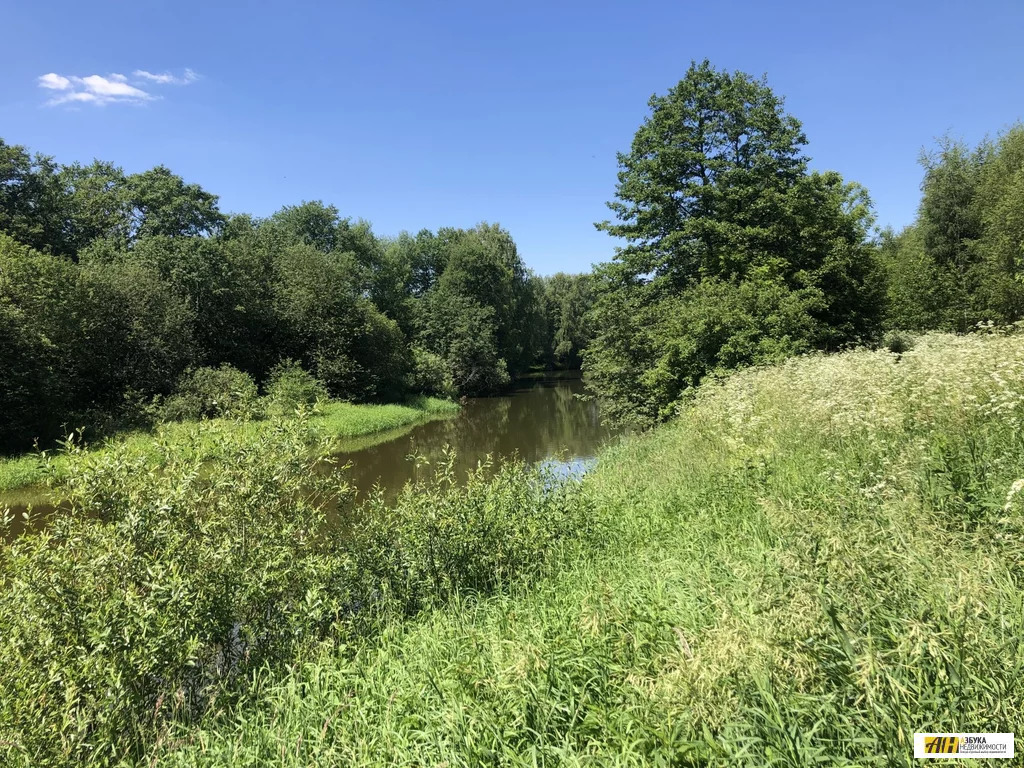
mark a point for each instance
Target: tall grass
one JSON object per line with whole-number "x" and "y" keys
{"x": 328, "y": 420}
{"x": 165, "y": 584}
{"x": 810, "y": 564}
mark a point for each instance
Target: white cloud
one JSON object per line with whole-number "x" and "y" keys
{"x": 115, "y": 88}
{"x": 166, "y": 78}
{"x": 79, "y": 96}
{"x": 54, "y": 82}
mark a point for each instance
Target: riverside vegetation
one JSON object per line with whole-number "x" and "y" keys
{"x": 810, "y": 563}
{"x": 805, "y": 558}
{"x": 23, "y": 477}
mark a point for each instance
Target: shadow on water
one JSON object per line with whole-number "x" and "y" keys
{"x": 29, "y": 509}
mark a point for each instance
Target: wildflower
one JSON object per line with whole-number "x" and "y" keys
{"x": 1016, "y": 488}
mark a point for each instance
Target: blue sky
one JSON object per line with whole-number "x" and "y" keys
{"x": 437, "y": 114}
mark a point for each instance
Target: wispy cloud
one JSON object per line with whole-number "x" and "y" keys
{"x": 166, "y": 78}
{"x": 115, "y": 88}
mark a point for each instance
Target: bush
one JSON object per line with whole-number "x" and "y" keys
{"x": 898, "y": 342}
{"x": 648, "y": 355}
{"x": 291, "y": 387}
{"x": 430, "y": 374}
{"x": 155, "y": 594}
{"x": 213, "y": 393}
{"x": 443, "y": 537}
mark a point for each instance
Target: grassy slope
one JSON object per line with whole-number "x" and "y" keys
{"x": 810, "y": 564}
{"x": 333, "y": 420}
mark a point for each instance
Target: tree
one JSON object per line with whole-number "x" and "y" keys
{"x": 703, "y": 189}
{"x": 950, "y": 224}
{"x": 484, "y": 277}
{"x": 114, "y": 285}
{"x": 310, "y": 223}
{"x": 917, "y": 292}
{"x": 999, "y": 205}
{"x": 462, "y": 332}
{"x": 161, "y": 203}
{"x": 38, "y": 338}
{"x": 333, "y": 329}
{"x": 568, "y": 299}
{"x": 97, "y": 205}
{"x": 32, "y": 200}
{"x": 136, "y": 335}
{"x": 960, "y": 263}
{"x": 715, "y": 203}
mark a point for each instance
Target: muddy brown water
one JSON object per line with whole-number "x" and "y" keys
{"x": 541, "y": 420}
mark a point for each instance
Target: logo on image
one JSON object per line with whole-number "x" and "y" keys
{"x": 963, "y": 745}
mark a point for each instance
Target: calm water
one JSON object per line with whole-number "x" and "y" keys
{"x": 541, "y": 420}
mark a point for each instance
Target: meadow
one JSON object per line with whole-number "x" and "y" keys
{"x": 811, "y": 562}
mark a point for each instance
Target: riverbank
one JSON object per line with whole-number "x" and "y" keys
{"x": 21, "y": 476}
{"x": 812, "y": 563}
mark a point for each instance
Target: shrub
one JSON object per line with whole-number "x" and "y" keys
{"x": 430, "y": 374}
{"x": 442, "y": 537}
{"x": 213, "y": 393}
{"x": 154, "y": 594}
{"x": 291, "y": 387}
{"x": 898, "y": 342}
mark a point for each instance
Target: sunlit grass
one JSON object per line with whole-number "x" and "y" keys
{"x": 20, "y": 475}
{"x": 810, "y": 564}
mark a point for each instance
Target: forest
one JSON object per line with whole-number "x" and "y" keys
{"x": 807, "y": 546}
{"x": 127, "y": 298}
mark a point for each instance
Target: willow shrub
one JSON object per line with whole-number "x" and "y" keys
{"x": 155, "y": 592}
{"x": 155, "y": 595}
{"x": 443, "y": 537}
{"x": 223, "y": 392}
{"x": 291, "y": 387}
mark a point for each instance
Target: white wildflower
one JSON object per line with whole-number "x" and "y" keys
{"x": 1017, "y": 487}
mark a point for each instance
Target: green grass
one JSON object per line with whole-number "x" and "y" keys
{"x": 810, "y": 564}
{"x": 21, "y": 476}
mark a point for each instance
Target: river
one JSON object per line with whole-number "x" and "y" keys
{"x": 540, "y": 420}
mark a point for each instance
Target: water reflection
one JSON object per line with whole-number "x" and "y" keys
{"x": 541, "y": 421}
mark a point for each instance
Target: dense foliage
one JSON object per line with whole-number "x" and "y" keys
{"x": 115, "y": 289}
{"x": 814, "y": 561}
{"x": 154, "y": 597}
{"x": 961, "y": 263}
{"x": 114, "y": 286}
{"x": 736, "y": 253}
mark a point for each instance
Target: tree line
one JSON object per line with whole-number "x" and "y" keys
{"x": 116, "y": 289}
{"x": 738, "y": 254}
{"x": 959, "y": 264}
